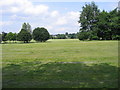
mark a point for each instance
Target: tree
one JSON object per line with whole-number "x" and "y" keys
{"x": 4, "y": 36}
{"x": 88, "y": 18}
{"x": 99, "y": 25}
{"x": 83, "y": 35}
{"x": 51, "y": 37}
{"x": 14, "y": 37}
{"x": 24, "y": 35}
{"x": 11, "y": 36}
{"x": 27, "y": 27}
{"x": 66, "y": 33}
{"x": 61, "y": 36}
{"x": 115, "y": 23}
{"x": 107, "y": 25}
{"x": 72, "y": 36}
{"x": 102, "y": 25}
{"x": 24, "y": 26}
{"x": 41, "y": 34}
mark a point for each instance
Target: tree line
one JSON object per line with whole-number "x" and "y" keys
{"x": 99, "y": 25}
{"x": 38, "y": 34}
{"x": 64, "y": 36}
{"x": 26, "y": 34}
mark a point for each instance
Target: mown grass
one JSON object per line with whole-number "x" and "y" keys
{"x": 61, "y": 63}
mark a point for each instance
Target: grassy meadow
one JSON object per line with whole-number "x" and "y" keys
{"x": 60, "y": 63}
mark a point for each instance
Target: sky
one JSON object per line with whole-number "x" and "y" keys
{"x": 57, "y": 16}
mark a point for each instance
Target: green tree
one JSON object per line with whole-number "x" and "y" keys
{"x": 24, "y": 35}
{"x": 88, "y": 18}
{"x": 83, "y": 35}
{"x": 51, "y": 37}
{"x": 27, "y": 27}
{"x": 115, "y": 23}
{"x": 72, "y": 36}
{"x": 10, "y": 36}
{"x": 41, "y": 34}
{"x": 4, "y": 36}
{"x": 61, "y": 36}
{"x": 66, "y": 33}
{"x": 24, "y": 26}
{"x": 14, "y": 37}
{"x": 104, "y": 30}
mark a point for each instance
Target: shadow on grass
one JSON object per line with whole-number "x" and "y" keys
{"x": 60, "y": 75}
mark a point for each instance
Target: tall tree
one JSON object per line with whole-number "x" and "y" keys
{"x": 88, "y": 18}
{"x": 115, "y": 23}
{"x": 103, "y": 28}
{"x": 108, "y": 25}
{"x": 24, "y": 26}
{"x": 27, "y": 27}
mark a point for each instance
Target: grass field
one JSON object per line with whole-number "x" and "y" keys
{"x": 60, "y": 64}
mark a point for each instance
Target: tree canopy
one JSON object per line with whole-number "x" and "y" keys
{"x": 11, "y": 36}
{"x": 27, "y": 26}
{"x": 4, "y": 36}
{"x": 96, "y": 25}
{"x": 41, "y": 34}
{"x": 24, "y": 35}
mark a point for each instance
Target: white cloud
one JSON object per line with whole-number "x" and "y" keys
{"x": 14, "y": 16}
{"x": 66, "y": 22}
{"x": 54, "y": 14}
{"x": 36, "y": 10}
{"x": 23, "y": 6}
{"x": 61, "y": 29}
{"x": 73, "y": 15}
{"x": 69, "y": 17}
{"x": 4, "y": 23}
{"x": 17, "y": 17}
{"x": 61, "y": 21}
{"x": 39, "y": 16}
{"x": 15, "y": 3}
{"x": 14, "y": 9}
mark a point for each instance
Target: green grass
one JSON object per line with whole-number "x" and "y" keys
{"x": 61, "y": 63}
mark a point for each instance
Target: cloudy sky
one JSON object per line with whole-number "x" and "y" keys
{"x": 57, "y": 16}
